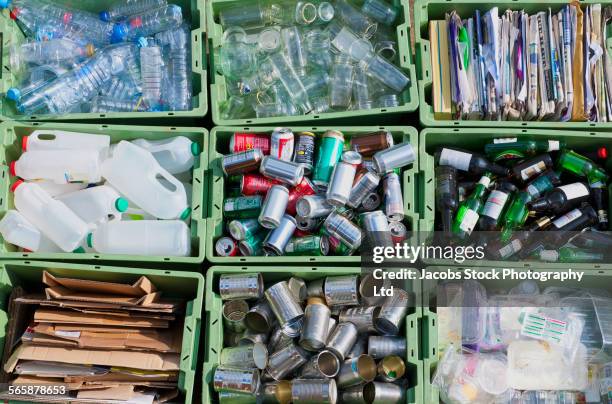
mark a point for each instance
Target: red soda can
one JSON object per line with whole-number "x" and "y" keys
{"x": 306, "y": 187}
{"x": 240, "y": 142}
{"x": 282, "y": 144}
{"x": 255, "y": 184}
{"x": 399, "y": 233}
{"x": 226, "y": 247}
{"x": 301, "y": 233}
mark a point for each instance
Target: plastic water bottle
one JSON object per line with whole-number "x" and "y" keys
{"x": 59, "y": 166}
{"x": 120, "y": 88}
{"x": 151, "y": 65}
{"x": 17, "y": 230}
{"x": 53, "y": 51}
{"x": 52, "y": 217}
{"x": 142, "y": 237}
{"x": 95, "y": 205}
{"x": 108, "y": 104}
{"x": 39, "y": 77}
{"x": 148, "y": 23}
{"x": 175, "y": 155}
{"x": 125, "y": 8}
{"x": 54, "y": 189}
{"x": 134, "y": 172}
{"x": 45, "y": 139}
{"x": 179, "y": 67}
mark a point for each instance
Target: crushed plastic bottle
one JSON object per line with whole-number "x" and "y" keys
{"x": 151, "y": 65}
{"x": 179, "y": 92}
{"x": 125, "y": 8}
{"x": 108, "y": 104}
{"x": 148, "y": 23}
{"x": 54, "y": 51}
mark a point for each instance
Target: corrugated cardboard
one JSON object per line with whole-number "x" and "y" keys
{"x": 140, "y": 288}
{"x": 125, "y": 375}
{"x": 65, "y": 316}
{"x": 133, "y": 359}
{"x": 166, "y": 306}
{"x": 123, "y": 393}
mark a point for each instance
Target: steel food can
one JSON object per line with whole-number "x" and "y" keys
{"x": 226, "y": 247}
{"x": 242, "y": 207}
{"x": 342, "y": 290}
{"x": 309, "y": 245}
{"x": 304, "y": 188}
{"x": 305, "y": 150}
{"x": 255, "y": 184}
{"x": 236, "y": 380}
{"x": 286, "y": 172}
{"x": 367, "y": 145}
{"x": 287, "y": 310}
{"x": 281, "y": 144}
{"x": 252, "y": 356}
{"x": 240, "y": 142}
{"x": 241, "y": 286}
{"x": 242, "y": 162}
{"x": 330, "y": 152}
{"x": 234, "y": 312}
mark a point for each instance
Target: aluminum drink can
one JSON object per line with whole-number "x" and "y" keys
{"x": 329, "y": 153}
{"x": 252, "y": 246}
{"x": 281, "y": 144}
{"x": 242, "y": 207}
{"x": 304, "y": 151}
{"x": 394, "y": 200}
{"x": 364, "y": 184}
{"x": 399, "y": 233}
{"x": 304, "y": 188}
{"x": 274, "y": 207}
{"x": 339, "y": 188}
{"x": 255, "y": 184}
{"x": 309, "y": 245}
{"x": 240, "y": 142}
{"x": 370, "y": 143}
{"x": 241, "y": 162}
{"x": 226, "y": 247}
{"x": 240, "y": 229}
{"x": 286, "y": 172}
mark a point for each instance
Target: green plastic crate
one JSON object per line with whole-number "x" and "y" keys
{"x": 214, "y": 329}
{"x": 475, "y": 139}
{"x": 219, "y": 145}
{"x": 186, "y": 285}
{"x": 218, "y": 93}
{"x": 11, "y": 134}
{"x": 600, "y": 279}
{"x": 427, "y": 10}
{"x": 193, "y": 11}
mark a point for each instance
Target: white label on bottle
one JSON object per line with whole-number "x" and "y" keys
{"x": 470, "y": 218}
{"x": 495, "y": 203}
{"x": 567, "y": 218}
{"x": 553, "y": 145}
{"x": 533, "y": 191}
{"x": 505, "y": 140}
{"x": 454, "y": 158}
{"x": 533, "y": 170}
{"x": 549, "y": 255}
{"x": 575, "y": 190}
{"x": 511, "y": 248}
{"x": 484, "y": 180}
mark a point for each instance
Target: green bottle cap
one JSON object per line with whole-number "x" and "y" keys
{"x": 185, "y": 213}
{"x": 195, "y": 148}
{"x": 90, "y": 240}
{"x": 79, "y": 250}
{"x": 121, "y": 204}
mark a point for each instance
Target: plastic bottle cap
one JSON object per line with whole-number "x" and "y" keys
{"x": 90, "y": 240}
{"x": 13, "y": 94}
{"x": 79, "y": 250}
{"x": 195, "y": 149}
{"x": 105, "y": 16}
{"x": 185, "y": 214}
{"x": 142, "y": 42}
{"x": 14, "y": 13}
{"x": 12, "y": 168}
{"x": 120, "y": 31}
{"x": 5, "y": 3}
{"x": 90, "y": 49}
{"x": 24, "y": 143}
{"x": 121, "y": 204}
{"x": 602, "y": 153}
{"x": 15, "y": 185}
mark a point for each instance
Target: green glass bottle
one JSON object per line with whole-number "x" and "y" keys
{"x": 468, "y": 212}
{"x": 515, "y": 215}
{"x": 570, "y": 254}
{"x": 512, "y": 148}
{"x": 575, "y": 163}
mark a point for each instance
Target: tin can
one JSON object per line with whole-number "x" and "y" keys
{"x": 286, "y": 172}
{"x": 342, "y": 228}
{"x": 242, "y": 162}
{"x": 274, "y": 207}
{"x": 297, "y": 286}
{"x": 253, "y": 356}
{"x": 241, "y": 286}
{"x": 281, "y": 144}
{"x": 342, "y": 339}
{"x": 242, "y": 207}
{"x": 240, "y": 142}
{"x": 339, "y": 188}
{"x": 236, "y": 380}
{"x": 362, "y": 317}
{"x": 260, "y": 317}
{"x": 286, "y": 361}
{"x": 287, "y": 310}
{"x": 313, "y": 206}
{"x": 310, "y": 245}
{"x": 226, "y": 247}
{"x": 322, "y": 365}
{"x": 234, "y": 312}
{"x": 304, "y": 188}
{"x": 365, "y": 183}
{"x": 252, "y": 337}
{"x": 376, "y": 228}
{"x": 240, "y": 229}
{"x": 305, "y": 150}
{"x": 392, "y": 313}
{"x": 371, "y": 202}
{"x": 252, "y": 246}
{"x": 277, "y": 239}
{"x": 397, "y": 156}
{"x": 394, "y": 200}
{"x": 341, "y": 290}
{"x": 381, "y": 346}
{"x": 399, "y": 233}
{"x": 316, "y": 325}
{"x": 357, "y": 371}
{"x": 367, "y": 145}
{"x": 329, "y": 153}
{"x": 306, "y": 391}
{"x": 255, "y": 184}
{"x": 391, "y": 368}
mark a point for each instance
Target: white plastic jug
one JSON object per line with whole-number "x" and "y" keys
{"x": 95, "y": 205}
{"x": 52, "y": 217}
{"x": 135, "y": 173}
{"x": 17, "y": 230}
{"x": 59, "y": 166}
{"x": 134, "y": 212}
{"x": 54, "y": 189}
{"x": 176, "y": 154}
{"x": 61, "y": 140}
{"x": 142, "y": 237}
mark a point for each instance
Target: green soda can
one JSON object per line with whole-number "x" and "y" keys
{"x": 241, "y": 229}
{"x": 337, "y": 247}
{"x": 232, "y": 191}
{"x": 308, "y": 245}
{"x": 242, "y": 207}
{"x": 329, "y": 153}
{"x": 252, "y": 246}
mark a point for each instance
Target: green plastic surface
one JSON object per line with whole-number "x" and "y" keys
{"x": 11, "y": 134}
{"x": 475, "y": 139}
{"x": 427, "y": 10}
{"x": 185, "y": 285}
{"x": 218, "y": 93}
{"x": 214, "y": 329}
{"x": 193, "y": 11}
{"x": 219, "y": 145}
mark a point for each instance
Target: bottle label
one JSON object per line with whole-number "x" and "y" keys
{"x": 567, "y": 218}
{"x": 533, "y": 170}
{"x": 454, "y": 158}
{"x": 553, "y": 145}
{"x": 484, "y": 180}
{"x": 495, "y": 203}
{"x": 470, "y": 218}
{"x": 576, "y": 190}
{"x": 505, "y": 140}
{"x": 549, "y": 255}
{"x": 511, "y": 249}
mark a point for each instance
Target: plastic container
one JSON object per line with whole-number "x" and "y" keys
{"x": 475, "y": 139}
{"x": 192, "y": 10}
{"x": 185, "y": 285}
{"x": 219, "y": 145}
{"x": 13, "y": 134}
{"x": 430, "y": 323}
{"x": 427, "y": 10}
{"x": 408, "y": 100}
{"x": 214, "y": 329}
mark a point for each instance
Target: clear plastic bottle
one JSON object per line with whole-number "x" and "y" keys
{"x": 120, "y": 88}
{"x": 59, "y": 166}
{"x": 179, "y": 91}
{"x": 125, "y": 8}
{"x": 40, "y": 76}
{"x": 18, "y": 230}
{"x": 52, "y": 217}
{"x": 341, "y": 86}
{"x": 95, "y": 205}
{"x": 134, "y": 172}
{"x": 142, "y": 237}
{"x": 53, "y": 51}
{"x": 151, "y": 66}
{"x": 148, "y": 23}
{"x": 294, "y": 49}
{"x": 108, "y": 104}
{"x": 50, "y": 139}
{"x": 176, "y": 154}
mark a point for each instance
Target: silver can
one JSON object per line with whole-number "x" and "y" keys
{"x": 297, "y": 286}
{"x": 241, "y": 162}
{"x": 315, "y": 288}
{"x": 282, "y": 143}
{"x": 278, "y": 340}
{"x": 394, "y": 157}
{"x": 371, "y": 202}
{"x": 369, "y": 289}
{"x": 236, "y": 380}
{"x": 391, "y": 369}
{"x": 277, "y": 239}
{"x": 241, "y": 286}
{"x": 229, "y": 397}
{"x": 359, "y": 348}
{"x": 382, "y": 346}
{"x": 354, "y": 395}
{"x": 344, "y": 230}
{"x": 274, "y": 207}
{"x": 286, "y": 172}
{"x": 387, "y": 393}
{"x": 394, "y": 200}
{"x": 342, "y": 178}
{"x": 324, "y": 364}
{"x": 316, "y": 326}
{"x": 304, "y": 391}
{"x": 341, "y": 290}
{"x": 342, "y": 339}
{"x": 226, "y": 247}
{"x": 252, "y": 337}
{"x": 260, "y": 317}
{"x": 234, "y": 312}
{"x": 366, "y": 184}
{"x": 288, "y": 312}
{"x": 286, "y": 361}
{"x": 313, "y": 206}
{"x": 361, "y": 317}
{"x": 307, "y": 223}
{"x": 377, "y": 229}
{"x": 357, "y": 371}
{"x": 240, "y": 229}
{"x": 391, "y": 314}
{"x": 245, "y": 356}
